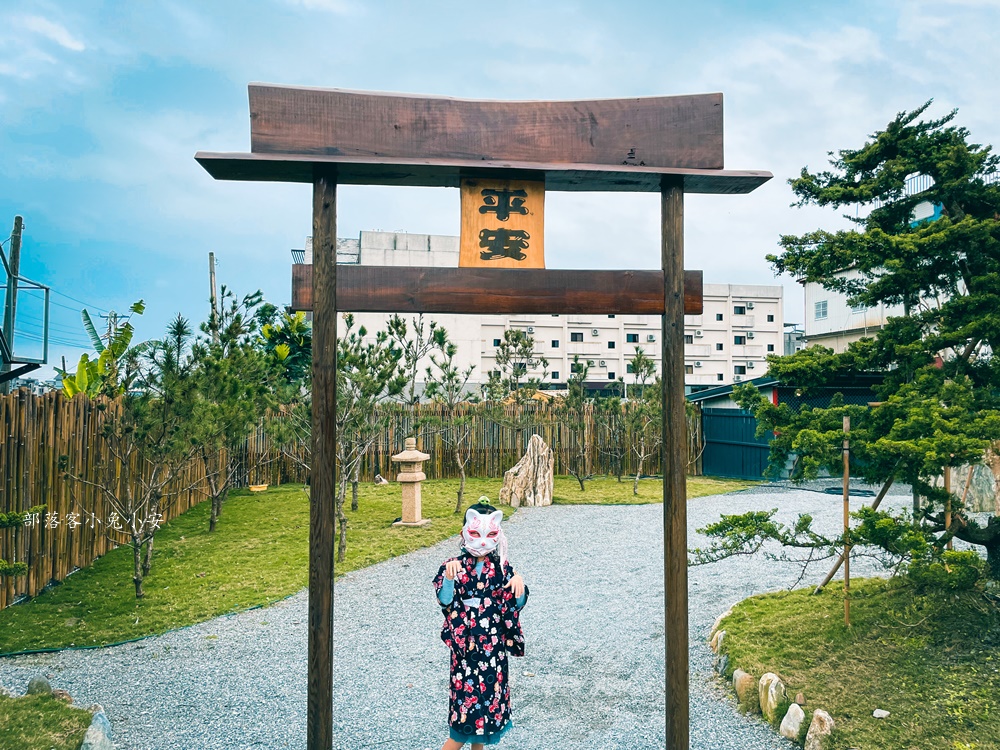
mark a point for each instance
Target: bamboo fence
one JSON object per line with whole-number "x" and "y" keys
{"x": 37, "y": 430}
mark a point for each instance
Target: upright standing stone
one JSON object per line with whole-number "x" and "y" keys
{"x": 529, "y": 482}
{"x": 820, "y": 729}
{"x": 792, "y": 722}
{"x": 771, "y": 693}
{"x": 410, "y": 476}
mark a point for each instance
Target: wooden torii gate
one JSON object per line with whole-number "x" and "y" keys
{"x": 326, "y": 137}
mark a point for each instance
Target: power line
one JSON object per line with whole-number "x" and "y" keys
{"x": 85, "y": 304}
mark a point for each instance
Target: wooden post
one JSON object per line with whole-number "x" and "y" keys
{"x": 10, "y": 298}
{"x": 947, "y": 503}
{"x": 319, "y": 714}
{"x": 847, "y": 522}
{"x": 674, "y": 447}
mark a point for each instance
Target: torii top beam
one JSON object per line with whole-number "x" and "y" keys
{"x": 597, "y": 145}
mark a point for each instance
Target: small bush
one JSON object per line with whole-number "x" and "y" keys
{"x": 952, "y": 571}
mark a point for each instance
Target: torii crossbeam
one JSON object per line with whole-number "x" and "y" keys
{"x": 327, "y": 137}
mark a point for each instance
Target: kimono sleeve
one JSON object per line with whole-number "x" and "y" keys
{"x": 510, "y": 616}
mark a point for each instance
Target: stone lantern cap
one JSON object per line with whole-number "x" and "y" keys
{"x": 410, "y": 453}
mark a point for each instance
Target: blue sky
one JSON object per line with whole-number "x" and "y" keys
{"x": 103, "y": 105}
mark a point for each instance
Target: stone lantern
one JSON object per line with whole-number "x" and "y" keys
{"x": 410, "y": 476}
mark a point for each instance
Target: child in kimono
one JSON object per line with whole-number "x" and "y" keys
{"x": 481, "y": 597}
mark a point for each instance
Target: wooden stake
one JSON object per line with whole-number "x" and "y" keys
{"x": 319, "y": 713}
{"x": 947, "y": 503}
{"x": 847, "y": 522}
{"x": 674, "y": 447}
{"x": 840, "y": 560}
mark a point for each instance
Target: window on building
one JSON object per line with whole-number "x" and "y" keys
{"x": 555, "y": 343}
{"x": 740, "y": 369}
{"x": 611, "y": 345}
{"x": 858, "y": 308}
{"x": 720, "y": 376}
{"x": 739, "y": 310}
{"x": 688, "y": 339}
{"x": 495, "y": 373}
{"x": 739, "y": 339}
{"x": 629, "y": 368}
{"x": 718, "y": 347}
{"x": 611, "y": 316}
{"x": 718, "y": 316}
{"x": 820, "y": 308}
{"x": 631, "y": 338}
{"x": 576, "y": 337}
{"x": 519, "y": 368}
{"x": 555, "y": 374}
{"x": 770, "y": 347}
{"x": 770, "y": 318}
{"x": 496, "y": 342}
{"x": 576, "y": 367}
{"x": 611, "y": 376}
{"x": 689, "y": 369}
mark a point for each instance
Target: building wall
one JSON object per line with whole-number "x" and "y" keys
{"x": 741, "y": 324}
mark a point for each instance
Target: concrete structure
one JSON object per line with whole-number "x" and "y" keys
{"x": 741, "y": 324}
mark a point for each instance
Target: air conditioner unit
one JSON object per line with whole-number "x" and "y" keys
{"x": 749, "y": 365}
{"x": 650, "y": 337}
{"x": 749, "y": 334}
{"x": 749, "y": 305}
{"x": 594, "y": 332}
{"x": 531, "y": 329}
{"x": 737, "y": 378}
{"x": 604, "y": 363}
{"x": 697, "y": 364}
{"x": 698, "y": 334}
{"x": 590, "y": 363}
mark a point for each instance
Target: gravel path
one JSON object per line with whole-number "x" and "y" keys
{"x": 593, "y": 676}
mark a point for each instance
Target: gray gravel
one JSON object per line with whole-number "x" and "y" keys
{"x": 592, "y": 678}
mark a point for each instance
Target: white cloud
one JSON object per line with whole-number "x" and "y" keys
{"x": 52, "y": 31}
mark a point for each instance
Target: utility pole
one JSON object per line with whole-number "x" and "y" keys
{"x": 10, "y": 299}
{"x": 214, "y": 318}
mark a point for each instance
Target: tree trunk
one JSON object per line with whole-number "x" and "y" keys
{"x": 461, "y": 480}
{"x": 354, "y": 486}
{"x": 137, "y": 566}
{"x": 147, "y": 558}
{"x": 993, "y": 560}
{"x": 213, "y": 488}
{"x": 341, "y": 520}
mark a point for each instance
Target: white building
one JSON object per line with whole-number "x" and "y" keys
{"x": 741, "y": 324}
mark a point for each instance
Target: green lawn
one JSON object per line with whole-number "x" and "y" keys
{"x": 258, "y": 555}
{"x": 932, "y": 661}
{"x": 41, "y": 722}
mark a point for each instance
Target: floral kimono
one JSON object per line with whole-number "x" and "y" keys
{"x": 481, "y": 626}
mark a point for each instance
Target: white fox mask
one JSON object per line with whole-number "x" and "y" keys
{"x": 482, "y": 533}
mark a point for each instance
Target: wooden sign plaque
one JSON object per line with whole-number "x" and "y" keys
{"x": 503, "y": 224}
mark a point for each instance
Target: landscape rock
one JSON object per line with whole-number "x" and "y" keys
{"x": 62, "y": 695}
{"x": 98, "y": 736}
{"x": 879, "y": 713}
{"x": 820, "y": 730}
{"x": 792, "y": 722}
{"x": 529, "y": 482}
{"x": 746, "y": 689}
{"x": 771, "y": 691}
{"x": 38, "y": 685}
{"x": 716, "y": 643}
{"x": 718, "y": 622}
{"x": 722, "y": 665}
